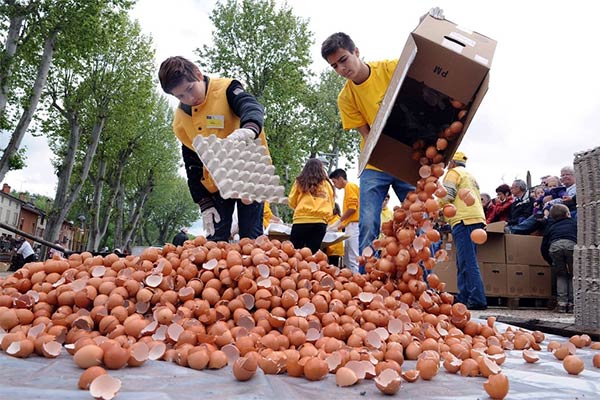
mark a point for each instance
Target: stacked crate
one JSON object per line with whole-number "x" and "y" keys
{"x": 586, "y": 257}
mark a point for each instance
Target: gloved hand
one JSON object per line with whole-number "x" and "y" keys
{"x": 243, "y": 134}
{"x": 437, "y": 13}
{"x": 334, "y": 227}
{"x": 210, "y": 217}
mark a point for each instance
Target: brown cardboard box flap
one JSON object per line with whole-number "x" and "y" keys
{"x": 439, "y": 61}
{"x": 496, "y": 227}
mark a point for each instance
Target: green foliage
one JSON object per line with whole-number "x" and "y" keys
{"x": 17, "y": 160}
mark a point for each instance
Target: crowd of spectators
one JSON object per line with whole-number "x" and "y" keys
{"x": 549, "y": 210}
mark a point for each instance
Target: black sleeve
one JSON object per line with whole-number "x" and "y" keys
{"x": 545, "y": 247}
{"x": 194, "y": 171}
{"x": 245, "y": 106}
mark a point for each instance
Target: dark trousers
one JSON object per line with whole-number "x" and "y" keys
{"x": 308, "y": 235}
{"x": 249, "y": 218}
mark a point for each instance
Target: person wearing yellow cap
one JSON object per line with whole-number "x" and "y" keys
{"x": 458, "y": 182}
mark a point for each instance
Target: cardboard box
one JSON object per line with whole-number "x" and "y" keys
{"x": 517, "y": 280}
{"x": 493, "y": 250}
{"x": 524, "y": 249}
{"x": 540, "y": 281}
{"x": 446, "y": 271}
{"x": 440, "y": 62}
{"x": 494, "y": 278}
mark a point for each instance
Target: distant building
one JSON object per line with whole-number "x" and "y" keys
{"x": 22, "y": 214}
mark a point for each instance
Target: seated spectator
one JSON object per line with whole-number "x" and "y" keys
{"x": 560, "y": 237}
{"x": 538, "y": 191}
{"x": 553, "y": 194}
{"x": 522, "y": 205}
{"x": 488, "y": 207}
{"x": 567, "y": 179}
{"x": 501, "y": 204}
{"x": 542, "y": 203}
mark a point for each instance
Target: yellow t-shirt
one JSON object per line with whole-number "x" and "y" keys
{"x": 359, "y": 104}
{"x": 351, "y": 200}
{"x": 386, "y": 215}
{"x": 469, "y": 215}
{"x": 267, "y": 214}
{"x": 309, "y": 208}
{"x": 338, "y": 248}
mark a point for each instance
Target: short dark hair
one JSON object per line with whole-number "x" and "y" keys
{"x": 338, "y": 40}
{"x": 175, "y": 70}
{"x": 338, "y": 173}
{"x": 558, "y": 212}
{"x": 504, "y": 188}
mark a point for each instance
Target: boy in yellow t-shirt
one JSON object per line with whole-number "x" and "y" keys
{"x": 358, "y": 103}
{"x": 349, "y": 218}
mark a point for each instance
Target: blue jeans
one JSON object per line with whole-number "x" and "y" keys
{"x": 250, "y": 218}
{"x": 374, "y": 185}
{"x": 527, "y": 226}
{"x": 470, "y": 284}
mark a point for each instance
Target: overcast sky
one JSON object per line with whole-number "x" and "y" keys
{"x": 542, "y": 105}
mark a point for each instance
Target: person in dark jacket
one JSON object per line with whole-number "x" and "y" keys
{"x": 181, "y": 237}
{"x": 560, "y": 237}
{"x": 522, "y": 206}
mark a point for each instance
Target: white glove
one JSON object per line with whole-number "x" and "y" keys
{"x": 243, "y": 134}
{"x": 437, "y": 13}
{"x": 210, "y": 217}
{"x": 333, "y": 227}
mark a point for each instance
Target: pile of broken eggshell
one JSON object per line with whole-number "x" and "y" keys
{"x": 264, "y": 304}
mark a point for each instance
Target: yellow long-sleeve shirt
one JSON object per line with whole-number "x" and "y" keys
{"x": 309, "y": 208}
{"x": 456, "y": 179}
{"x": 351, "y": 200}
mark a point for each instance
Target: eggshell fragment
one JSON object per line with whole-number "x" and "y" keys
{"x": 411, "y": 375}
{"x": 87, "y": 376}
{"x": 497, "y": 386}
{"x": 388, "y": 381}
{"x": 573, "y": 365}
{"x": 244, "y": 368}
{"x": 105, "y": 387}
{"x": 530, "y": 356}
{"x": 88, "y": 356}
{"x": 345, "y": 377}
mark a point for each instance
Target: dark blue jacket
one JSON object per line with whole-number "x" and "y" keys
{"x": 565, "y": 228}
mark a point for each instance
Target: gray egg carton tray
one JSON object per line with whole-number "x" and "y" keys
{"x": 241, "y": 169}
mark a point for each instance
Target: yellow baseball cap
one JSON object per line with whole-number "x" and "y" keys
{"x": 459, "y": 156}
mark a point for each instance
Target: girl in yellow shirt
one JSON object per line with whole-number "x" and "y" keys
{"x": 312, "y": 199}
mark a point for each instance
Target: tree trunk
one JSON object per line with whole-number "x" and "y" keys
{"x": 98, "y": 182}
{"x": 6, "y": 62}
{"x": 66, "y": 194}
{"x": 114, "y": 186}
{"x": 118, "y": 235}
{"x": 40, "y": 83}
{"x": 137, "y": 212}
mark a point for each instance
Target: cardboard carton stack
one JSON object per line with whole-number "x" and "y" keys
{"x": 586, "y": 256}
{"x": 511, "y": 265}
